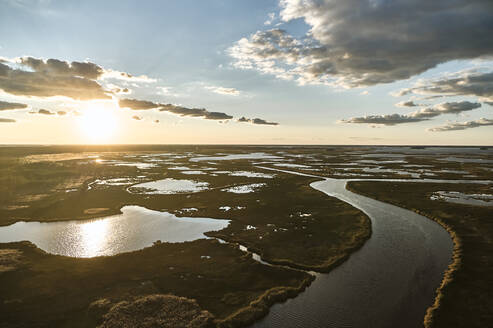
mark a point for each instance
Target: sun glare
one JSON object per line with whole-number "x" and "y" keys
{"x": 98, "y": 124}
{"x": 94, "y": 236}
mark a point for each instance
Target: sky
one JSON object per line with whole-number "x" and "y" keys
{"x": 246, "y": 72}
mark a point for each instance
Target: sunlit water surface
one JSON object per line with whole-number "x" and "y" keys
{"x": 136, "y": 228}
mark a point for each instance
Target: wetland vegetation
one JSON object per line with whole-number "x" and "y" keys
{"x": 272, "y": 213}
{"x": 282, "y": 219}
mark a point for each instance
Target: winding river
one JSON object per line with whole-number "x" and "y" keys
{"x": 389, "y": 282}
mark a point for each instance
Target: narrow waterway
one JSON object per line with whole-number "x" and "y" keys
{"x": 389, "y": 282}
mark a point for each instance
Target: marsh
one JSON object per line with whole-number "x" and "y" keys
{"x": 289, "y": 217}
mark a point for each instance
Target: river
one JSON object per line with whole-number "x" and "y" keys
{"x": 389, "y": 282}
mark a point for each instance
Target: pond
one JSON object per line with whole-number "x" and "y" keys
{"x": 137, "y": 227}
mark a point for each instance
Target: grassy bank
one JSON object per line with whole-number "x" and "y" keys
{"x": 43, "y": 290}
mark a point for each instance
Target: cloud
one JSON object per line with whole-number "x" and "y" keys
{"x": 366, "y": 42}
{"x": 6, "y": 120}
{"x": 123, "y": 76}
{"x": 179, "y": 110}
{"x": 55, "y": 67}
{"x": 463, "y": 125}
{"x": 417, "y": 116}
{"x": 457, "y": 107}
{"x": 137, "y": 118}
{"x": 51, "y": 78}
{"x": 468, "y": 83}
{"x": 29, "y": 76}
{"x": 4, "y": 105}
{"x": 223, "y": 91}
{"x": 168, "y": 91}
{"x": 44, "y": 112}
{"x": 270, "y": 19}
{"x": 391, "y": 119}
{"x": 136, "y": 104}
{"x": 256, "y": 121}
{"x": 194, "y": 112}
{"x": 156, "y": 121}
{"x": 409, "y": 103}
{"x": 445, "y": 108}
{"x": 118, "y": 90}
{"x": 61, "y": 113}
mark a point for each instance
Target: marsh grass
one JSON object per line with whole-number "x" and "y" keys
{"x": 294, "y": 225}
{"x": 57, "y": 291}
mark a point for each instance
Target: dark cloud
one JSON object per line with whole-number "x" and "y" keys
{"x": 417, "y": 116}
{"x": 6, "y": 120}
{"x": 179, "y": 110}
{"x": 457, "y": 107}
{"x": 4, "y": 105}
{"x": 433, "y": 97}
{"x": 156, "y": 121}
{"x": 137, "y": 104}
{"x": 55, "y": 67}
{"x": 463, "y": 125}
{"x": 217, "y": 116}
{"x": 45, "y": 112}
{"x": 194, "y": 112}
{"x": 137, "y": 118}
{"x": 122, "y": 91}
{"x": 61, "y": 113}
{"x": 392, "y": 119}
{"x": 445, "y": 108}
{"x": 52, "y": 78}
{"x": 367, "y": 42}
{"x": 409, "y": 103}
{"x": 256, "y": 121}
{"x": 461, "y": 84}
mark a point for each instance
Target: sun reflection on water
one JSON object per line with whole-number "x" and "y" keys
{"x": 94, "y": 237}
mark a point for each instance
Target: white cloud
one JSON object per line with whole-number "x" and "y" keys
{"x": 223, "y": 90}
{"x": 270, "y": 19}
{"x": 168, "y": 91}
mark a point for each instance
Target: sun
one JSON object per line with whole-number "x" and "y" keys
{"x": 98, "y": 124}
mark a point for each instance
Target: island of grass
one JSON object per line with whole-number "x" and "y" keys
{"x": 43, "y": 290}
{"x": 286, "y": 221}
{"x": 464, "y": 298}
